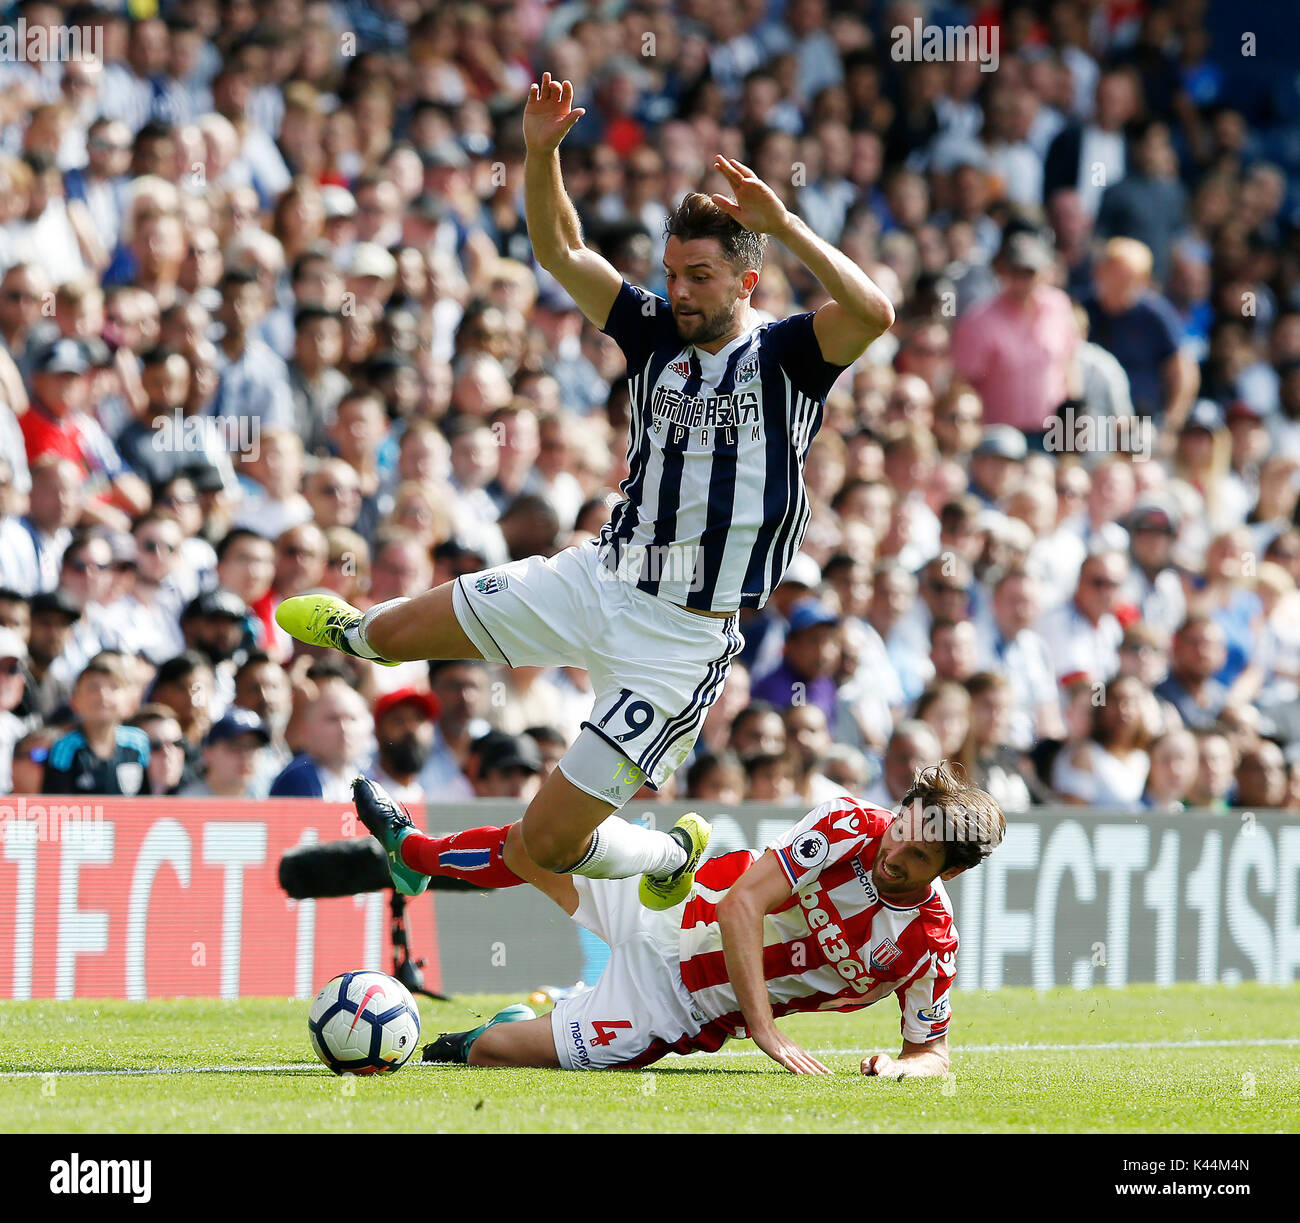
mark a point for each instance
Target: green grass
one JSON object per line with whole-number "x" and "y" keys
{"x": 1239, "y": 1088}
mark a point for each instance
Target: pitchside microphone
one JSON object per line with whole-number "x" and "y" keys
{"x": 345, "y": 868}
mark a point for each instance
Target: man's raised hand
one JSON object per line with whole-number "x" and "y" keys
{"x": 549, "y": 114}
{"x": 756, "y": 205}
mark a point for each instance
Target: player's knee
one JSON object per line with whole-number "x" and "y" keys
{"x": 550, "y": 848}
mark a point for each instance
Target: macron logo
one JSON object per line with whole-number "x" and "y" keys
{"x": 120, "y": 1176}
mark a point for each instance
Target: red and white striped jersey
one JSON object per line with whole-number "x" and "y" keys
{"x": 835, "y": 945}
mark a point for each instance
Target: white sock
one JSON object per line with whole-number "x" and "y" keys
{"x": 356, "y": 637}
{"x": 619, "y": 850}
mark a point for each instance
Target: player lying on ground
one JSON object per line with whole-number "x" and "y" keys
{"x": 845, "y": 909}
{"x": 723, "y": 407}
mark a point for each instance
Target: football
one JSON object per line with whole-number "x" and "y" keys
{"x": 364, "y": 1023}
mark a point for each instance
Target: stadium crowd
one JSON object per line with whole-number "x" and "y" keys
{"x": 269, "y": 321}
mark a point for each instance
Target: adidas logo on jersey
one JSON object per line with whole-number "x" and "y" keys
{"x": 681, "y": 368}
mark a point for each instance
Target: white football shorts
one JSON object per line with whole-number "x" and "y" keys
{"x": 639, "y": 1008}
{"x": 656, "y": 668}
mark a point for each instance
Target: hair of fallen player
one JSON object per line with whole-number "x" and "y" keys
{"x": 967, "y": 818}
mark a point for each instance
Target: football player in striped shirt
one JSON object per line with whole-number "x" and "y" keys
{"x": 846, "y": 909}
{"x": 723, "y": 407}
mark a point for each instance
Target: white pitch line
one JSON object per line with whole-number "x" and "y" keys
{"x": 1062, "y": 1048}
{"x": 1112, "y": 1045}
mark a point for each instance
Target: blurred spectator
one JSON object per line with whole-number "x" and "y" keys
{"x": 758, "y": 730}
{"x": 462, "y": 690}
{"x": 57, "y": 423}
{"x": 1172, "y": 775}
{"x": 263, "y": 687}
{"x": 552, "y": 743}
{"x": 986, "y": 755}
{"x": 254, "y": 382}
{"x": 1084, "y": 635}
{"x": 166, "y": 748}
{"x": 1016, "y": 349}
{"x": 334, "y": 736}
{"x": 945, "y": 707}
{"x": 1198, "y": 655}
{"x": 1154, "y": 585}
{"x": 1009, "y": 646}
{"x": 509, "y": 767}
{"x": 805, "y": 676}
{"x": 770, "y": 779}
{"x": 404, "y": 727}
{"x": 102, "y": 756}
{"x": 1142, "y": 330}
{"x": 1261, "y": 777}
{"x": 1081, "y": 150}
{"x": 716, "y": 779}
{"x": 13, "y": 656}
{"x": 1215, "y": 770}
{"x": 230, "y": 757}
{"x": 185, "y": 684}
{"x": 1109, "y": 768}
{"x": 911, "y": 747}
{"x": 1148, "y": 203}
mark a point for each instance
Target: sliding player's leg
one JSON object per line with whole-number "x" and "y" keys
{"x": 530, "y": 1043}
{"x": 638, "y": 1011}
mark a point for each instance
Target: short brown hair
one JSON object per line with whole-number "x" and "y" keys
{"x": 697, "y": 216}
{"x": 972, "y": 823}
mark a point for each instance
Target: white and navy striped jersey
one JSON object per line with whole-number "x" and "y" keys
{"x": 714, "y": 506}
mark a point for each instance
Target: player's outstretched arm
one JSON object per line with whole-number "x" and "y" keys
{"x": 859, "y": 311}
{"x": 756, "y": 893}
{"x": 914, "y": 1062}
{"x": 553, "y": 226}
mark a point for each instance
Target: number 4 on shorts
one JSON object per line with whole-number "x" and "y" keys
{"x": 605, "y": 1030}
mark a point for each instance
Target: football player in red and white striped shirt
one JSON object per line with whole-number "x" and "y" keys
{"x": 846, "y": 909}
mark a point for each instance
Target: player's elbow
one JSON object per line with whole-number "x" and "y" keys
{"x": 885, "y": 315}
{"x": 732, "y": 907}
{"x": 546, "y": 257}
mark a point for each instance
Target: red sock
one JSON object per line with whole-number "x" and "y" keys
{"x": 475, "y": 855}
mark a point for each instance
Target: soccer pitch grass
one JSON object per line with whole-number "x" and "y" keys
{"x": 1187, "y": 1059}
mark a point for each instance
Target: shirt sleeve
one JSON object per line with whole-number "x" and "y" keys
{"x": 969, "y": 351}
{"x": 1169, "y": 329}
{"x": 831, "y": 833}
{"x": 925, "y": 1002}
{"x": 60, "y": 762}
{"x": 795, "y": 344}
{"x": 639, "y": 321}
